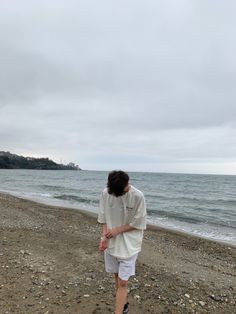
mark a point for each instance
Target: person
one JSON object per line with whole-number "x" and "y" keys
{"x": 122, "y": 213}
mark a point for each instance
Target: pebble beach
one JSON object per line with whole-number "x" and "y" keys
{"x": 50, "y": 263}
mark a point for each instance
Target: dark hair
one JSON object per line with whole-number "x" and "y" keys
{"x": 117, "y": 181}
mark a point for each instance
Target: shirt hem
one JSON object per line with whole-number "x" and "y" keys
{"x": 123, "y": 257}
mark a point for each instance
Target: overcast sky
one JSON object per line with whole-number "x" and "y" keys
{"x": 134, "y": 85}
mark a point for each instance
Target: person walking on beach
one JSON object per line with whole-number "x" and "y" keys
{"x": 122, "y": 213}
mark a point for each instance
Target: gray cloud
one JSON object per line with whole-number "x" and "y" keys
{"x": 104, "y": 83}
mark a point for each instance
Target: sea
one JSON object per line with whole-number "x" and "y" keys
{"x": 203, "y": 205}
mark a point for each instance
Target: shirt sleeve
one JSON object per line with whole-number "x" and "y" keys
{"x": 101, "y": 215}
{"x": 139, "y": 219}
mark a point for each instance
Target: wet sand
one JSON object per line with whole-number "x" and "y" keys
{"x": 50, "y": 263}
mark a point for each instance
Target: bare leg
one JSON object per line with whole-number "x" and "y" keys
{"x": 121, "y": 295}
{"x": 117, "y": 284}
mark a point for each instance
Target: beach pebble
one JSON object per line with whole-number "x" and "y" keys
{"x": 24, "y": 252}
{"x": 187, "y": 295}
{"x": 214, "y": 297}
{"x": 147, "y": 285}
{"x": 101, "y": 288}
{"x": 86, "y": 295}
{"x": 202, "y": 303}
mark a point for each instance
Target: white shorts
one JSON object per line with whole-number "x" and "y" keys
{"x": 123, "y": 267}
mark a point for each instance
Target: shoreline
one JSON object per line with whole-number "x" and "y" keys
{"x": 50, "y": 264}
{"x": 149, "y": 226}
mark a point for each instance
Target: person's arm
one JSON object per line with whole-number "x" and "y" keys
{"x": 115, "y": 231}
{"x": 104, "y": 230}
{"x": 102, "y": 220}
{"x": 104, "y": 239}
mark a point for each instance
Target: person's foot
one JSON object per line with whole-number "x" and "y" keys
{"x": 126, "y": 308}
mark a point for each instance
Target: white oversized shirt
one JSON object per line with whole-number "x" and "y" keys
{"x": 128, "y": 209}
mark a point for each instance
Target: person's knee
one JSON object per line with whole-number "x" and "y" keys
{"x": 123, "y": 283}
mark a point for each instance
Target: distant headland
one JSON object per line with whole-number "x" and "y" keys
{"x": 13, "y": 161}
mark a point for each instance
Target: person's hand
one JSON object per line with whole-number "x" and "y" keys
{"x": 111, "y": 233}
{"x": 103, "y": 244}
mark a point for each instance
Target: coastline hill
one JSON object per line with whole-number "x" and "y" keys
{"x": 13, "y": 161}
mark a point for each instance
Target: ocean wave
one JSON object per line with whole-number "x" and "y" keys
{"x": 176, "y": 198}
{"x": 200, "y": 220}
{"x": 176, "y": 216}
{"x": 197, "y": 200}
{"x": 56, "y": 188}
{"x": 79, "y": 199}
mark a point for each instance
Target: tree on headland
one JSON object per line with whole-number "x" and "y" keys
{"x": 12, "y": 161}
